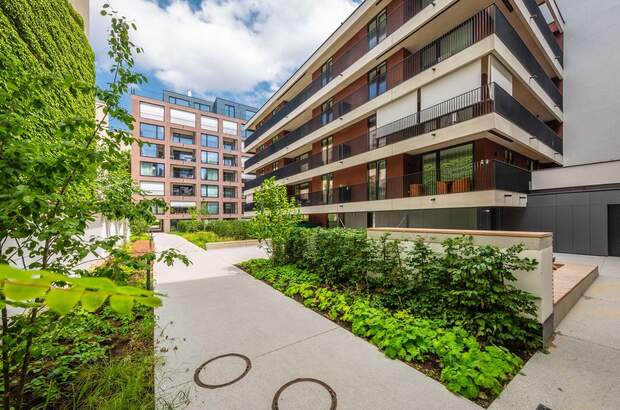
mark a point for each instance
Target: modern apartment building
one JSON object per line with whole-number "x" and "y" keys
{"x": 419, "y": 113}
{"x": 191, "y": 155}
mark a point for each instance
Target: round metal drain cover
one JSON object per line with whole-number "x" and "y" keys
{"x": 248, "y": 366}
{"x": 332, "y": 393}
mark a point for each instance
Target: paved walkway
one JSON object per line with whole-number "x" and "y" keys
{"x": 582, "y": 368}
{"x": 212, "y": 308}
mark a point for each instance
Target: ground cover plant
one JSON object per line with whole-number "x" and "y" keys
{"x": 201, "y": 238}
{"x": 450, "y": 354}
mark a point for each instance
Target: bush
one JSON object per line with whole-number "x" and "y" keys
{"x": 238, "y": 229}
{"x": 190, "y": 225}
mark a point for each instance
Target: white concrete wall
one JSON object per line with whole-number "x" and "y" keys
{"x": 574, "y": 176}
{"x": 500, "y": 75}
{"x": 400, "y": 108}
{"x": 456, "y": 83}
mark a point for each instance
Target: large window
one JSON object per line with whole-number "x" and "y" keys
{"x": 229, "y": 146}
{"x": 440, "y": 170}
{"x": 182, "y": 138}
{"x": 209, "y": 158}
{"x": 209, "y": 123}
{"x": 210, "y": 191}
{"x": 152, "y": 150}
{"x": 202, "y": 107}
{"x": 182, "y": 155}
{"x": 151, "y": 131}
{"x": 230, "y": 192}
{"x": 327, "y": 114}
{"x": 186, "y": 173}
{"x": 183, "y": 190}
{"x": 152, "y": 188}
{"x": 376, "y": 180}
{"x": 209, "y": 174}
{"x": 230, "y": 176}
{"x": 327, "y": 185}
{"x": 178, "y": 101}
{"x": 210, "y": 141}
{"x": 152, "y": 112}
{"x": 229, "y": 110}
{"x": 377, "y": 29}
{"x": 230, "y": 127}
{"x": 211, "y": 208}
{"x": 151, "y": 169}
{"x": 230, "y": 208}
{"x": 230, "y": 161}
{"x": 182, "y": 117}
{"x": 326, "y": 72}
{"x": 377, "y": 81}
{"x": 327, "y": 149}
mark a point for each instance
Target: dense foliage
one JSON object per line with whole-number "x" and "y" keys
{"x": 466, "y": 367}
{"x": 237, "y": 229}
{"x": 465, "y": 285}
{"x": 276, "y": 216}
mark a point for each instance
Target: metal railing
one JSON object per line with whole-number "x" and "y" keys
{"x": 482, "y": 175}
{"x": 476, "y": 28}
{"x": 537, "y": 15}
{"x": 472, "y": 104}
{"x": 396, "y": 18}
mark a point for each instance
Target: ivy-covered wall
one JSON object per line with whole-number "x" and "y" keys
{"x": 48, "y": 35}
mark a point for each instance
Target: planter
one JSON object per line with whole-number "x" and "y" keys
{"x": 443, "y": 187}
{"x": 416, "y": 190}
{"x": 461, "y": 185}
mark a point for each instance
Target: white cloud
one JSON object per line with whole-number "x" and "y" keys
{"x": 225, "y": 45}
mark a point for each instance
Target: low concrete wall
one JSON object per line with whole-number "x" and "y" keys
{"x": 538, "y": 246}
{"x": 231, "y": 244}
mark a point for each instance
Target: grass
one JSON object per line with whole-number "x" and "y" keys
{"x": 202, "y": 238}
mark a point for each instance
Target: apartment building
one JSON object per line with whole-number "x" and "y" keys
{"x": 191, "y": 155}
{"x": 419, "y": 113}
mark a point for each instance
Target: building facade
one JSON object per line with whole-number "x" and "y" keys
{"x": 191, "y": 155}
{"x": 418, "y": 113}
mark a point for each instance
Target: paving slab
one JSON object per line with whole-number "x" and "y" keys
{"x": 213, "y": 308}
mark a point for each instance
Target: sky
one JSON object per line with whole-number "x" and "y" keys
{"x": 238, "y": 49}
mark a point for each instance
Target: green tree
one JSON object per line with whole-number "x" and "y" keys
{"x": 275, "y": 219}
{"x": 61, "y": 169}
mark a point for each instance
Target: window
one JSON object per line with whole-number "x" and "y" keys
{"x": 210, "y": 191}
{"x": 202, "y": 107}
{"x": 178, "y": 101}
{"x": 230, "y": 192}
{"x": 183, "y": 190}
{"x": 230, "y": 208}
{"x": 229, "y": 110}
{"x": 211, "y": 208}
{"x": 152, "y": 150}
{"x": 305, "y": 165}
{"x": 377, "y": 81}
{"x": 327, "y": 185}
{"x": 373, "y": 141}
{"x": 274, "y": 167}
{"x": 151, "y": 169}
{"x": 151, "y": 131}
{"x": 327, "y": 150}
{"x": 152, "y": 188}
{"x": 377, "y": 29}
{"x": 327, "y": 115}
{"x": 230, "y": 176}
{"x": 157, "y": 208}
{"x": 230, "y": 161}
{"x": 302, "y": 193}
{"x": 181, "y": 207}
{"x": 209, "y": 174}
{"x": 209, "y": 158}
{"x": 456, "y": 164}
{"x": 152, "y": 112}
{"x": 229, "y": 146}
{"x": 230, "y": 127}
{"x": 326, "y": 73}
{"x": 376, "y": 180}
{"x": 182, "y": 138}
{"x": 186, "y": 173}
{"x": 209, "y": 123}
{"x": 249, "y": 114}
{"x": 210, "y": 141}
{"x": 182, "y": 117}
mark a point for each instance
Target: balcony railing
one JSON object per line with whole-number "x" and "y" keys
{"x": 395, "y": 19}
{"x": 537, "y": 15}
{"x": 481, "y": 175}
{"x": 475, "y": 103}
{"x": 481, "y": 25}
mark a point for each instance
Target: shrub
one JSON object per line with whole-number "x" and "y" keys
{"x": 189, "y": 225}
{"x": 238, "y": 229}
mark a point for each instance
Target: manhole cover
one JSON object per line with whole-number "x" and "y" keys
{"x": 223, "y": 370}
{"x": 330, "y": 400}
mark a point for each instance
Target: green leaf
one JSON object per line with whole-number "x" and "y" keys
{"x": 91, "y": 301}
{"x": 22, "y": 291}
{"x": 62, "y": 301}
{"x": 150, "y": 301}
{"x": 121, "y": 303}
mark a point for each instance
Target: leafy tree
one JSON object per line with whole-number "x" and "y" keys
{"x": 276, "y": 218}
{"x": 62, "y": 168}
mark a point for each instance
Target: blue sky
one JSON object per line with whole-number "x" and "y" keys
{"x": 237, "y": 49}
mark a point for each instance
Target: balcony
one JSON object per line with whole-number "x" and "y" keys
{"x": 483, "y": 24}
{"x": 537, "y": 15}
{"x": 183, "y": 173}
{"x": 473, "y": 104}
{"x": 184, "y": 156}
{"x": 395, "y": 19}
{"x": 183, "y": 190}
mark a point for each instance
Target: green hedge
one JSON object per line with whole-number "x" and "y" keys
{"x": 237, "y": 229}
{"x": 47, "y": 36}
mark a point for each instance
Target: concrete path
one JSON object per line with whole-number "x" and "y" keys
{"x": 212, "y": 308}
{"x": 582, "y": 368}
